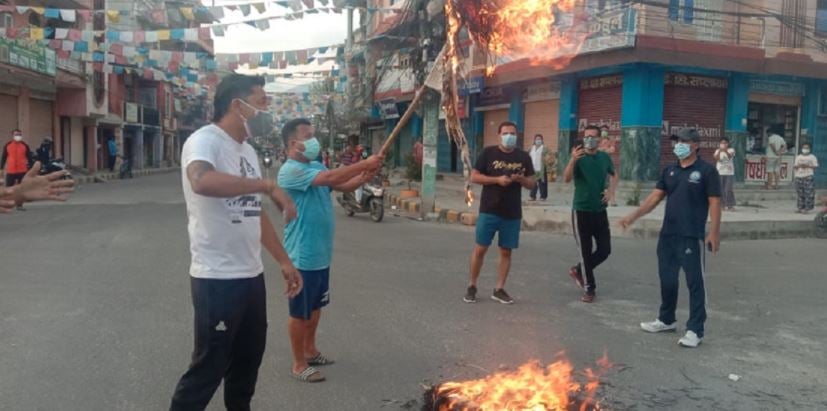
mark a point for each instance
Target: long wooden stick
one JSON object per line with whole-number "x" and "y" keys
{"x": 404, "y": 120}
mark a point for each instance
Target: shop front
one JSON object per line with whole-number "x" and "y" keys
{"x": 599, "y": 103}
{"x": 697, "y": 102}
{"x": 774, "y": 107}
{"x": 542, "y": 113}
{"x": 494, "y": 103}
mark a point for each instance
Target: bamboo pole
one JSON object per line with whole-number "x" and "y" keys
{"x": 404, "y": 120}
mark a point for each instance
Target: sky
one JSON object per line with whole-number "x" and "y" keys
{"x": 314, "y": 30}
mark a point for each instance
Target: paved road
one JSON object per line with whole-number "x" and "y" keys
{"x": 95, "y": 314}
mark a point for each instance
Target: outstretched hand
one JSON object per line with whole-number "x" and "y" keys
{"x": 49, "y": 187}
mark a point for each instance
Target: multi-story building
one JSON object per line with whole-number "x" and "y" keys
{"x": 728, "y": 68}
{"x": 150, "y": 109}
{"x": 82, "y": 105}
{"x": 40, "y": 93}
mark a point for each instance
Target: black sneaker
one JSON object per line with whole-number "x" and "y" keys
{"x": 577, "y": 275}
{"x": 502, "y": 296}
{"x": 470, "y": 295}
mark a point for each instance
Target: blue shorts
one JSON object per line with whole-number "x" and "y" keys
{"x": 508, "y": 229}
{"x": 314, "y": 295}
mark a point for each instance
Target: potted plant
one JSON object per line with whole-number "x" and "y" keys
{"x": 413, "y": 172}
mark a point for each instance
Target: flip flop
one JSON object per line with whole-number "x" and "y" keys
{"x": 320, "y": 359}
{"x": 309, "y": 374}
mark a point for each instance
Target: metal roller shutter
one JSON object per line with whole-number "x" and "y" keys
{"x": 40, "y": 121}
{"x": 542, "y": 117}
{"x": 493, "y": 118}
{"x": 8, "y": 117}
{"x": 700, "y": 103}
{"x": 600, "y": 102}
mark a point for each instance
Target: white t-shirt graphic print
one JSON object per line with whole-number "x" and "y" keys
{"x": 225, "y": 233}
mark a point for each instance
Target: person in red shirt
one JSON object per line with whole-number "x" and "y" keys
{"x": 16, "y": 159}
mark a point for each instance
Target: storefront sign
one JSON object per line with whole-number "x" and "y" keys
{"x": 756, "y": 169}
{"x": 131, "y": 113}
{"x": 783, "y": 88}
{"x": 33, "y": 56}
{"x": 710, "y": 136}
{"x": 601, "y": 82}
{"x": 387, "y": 109}
{"x": 543, "y": 91}
{"x": 492, "y": 96}
{"x": 471, "y": 85}
{"x": 688, "y": 80}
{"x": 610, "y": 31}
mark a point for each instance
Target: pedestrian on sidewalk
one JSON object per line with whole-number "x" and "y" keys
{"x": 539, "y": 153}
{"x": 692, "y": 189}
{"x": 112, "y": 146}
{"x": 223, "y": 190}
{"x": 776, "y": 148}
{"x": 590, "y": 169}
{"x": 15, "y": 160}
{"x": 503, "y": 171}
{"x": 309, "y": 238}
{"x": 44, "y": 152}
{"x": 805, "y": 165}
{"x": 724, "y": 156}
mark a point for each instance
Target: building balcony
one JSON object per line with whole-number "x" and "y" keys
{"x": 138, "y": 114}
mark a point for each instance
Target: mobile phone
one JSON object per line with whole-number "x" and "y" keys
{"x": 709, "y": 247}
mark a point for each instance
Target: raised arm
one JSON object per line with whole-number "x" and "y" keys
{"x": 342, "y": 175}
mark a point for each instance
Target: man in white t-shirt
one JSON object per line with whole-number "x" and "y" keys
{"x": 223, "y": 190}
{"x": 776, "y": 147}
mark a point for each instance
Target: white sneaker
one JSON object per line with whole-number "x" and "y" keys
{"x": 658, "y": 326}
{"x": 690, "y": 340}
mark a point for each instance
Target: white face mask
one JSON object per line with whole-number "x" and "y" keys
{"x": 805, "y": 151}
{"x": 18, "y": 138}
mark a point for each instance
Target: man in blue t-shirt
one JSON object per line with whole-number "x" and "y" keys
{"x": 692, "y": 190}
{"x": 309, "y": 238}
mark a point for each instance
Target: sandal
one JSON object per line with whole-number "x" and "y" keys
{"x": 320, "y": 359}
{"x": 309, "y": 374}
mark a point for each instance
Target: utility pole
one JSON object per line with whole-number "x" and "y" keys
{"x": 430, "y": 113}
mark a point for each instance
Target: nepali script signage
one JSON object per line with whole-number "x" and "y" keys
{"x": 783, "y": 88}
{"x": 388, "y": 109}
{"x": 34, "y": 56}
{"x": 610, "y": 30}
{"x": 755, "y": 170}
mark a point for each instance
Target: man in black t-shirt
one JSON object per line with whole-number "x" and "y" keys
{"x": 692, "y": 190}
{"x": 503, "y": 171}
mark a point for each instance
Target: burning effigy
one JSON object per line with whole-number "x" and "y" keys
{"x": 531, "y": 387}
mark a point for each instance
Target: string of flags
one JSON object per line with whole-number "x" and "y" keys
{"x": 277, "y": 59}
{"x": 145, "y": 36}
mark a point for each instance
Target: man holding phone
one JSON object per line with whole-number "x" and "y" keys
{"x": 692, "y": 189}
{"x": 503, "y": 171}
{"x": 589, "y": 168}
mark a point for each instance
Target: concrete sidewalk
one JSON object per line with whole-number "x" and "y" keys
{"x": 759, "y": 214}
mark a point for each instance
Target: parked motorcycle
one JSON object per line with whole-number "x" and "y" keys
{"x": 372, "y": 201}
{"x": 126, "y": 169}
{"x": 54, "y": 165}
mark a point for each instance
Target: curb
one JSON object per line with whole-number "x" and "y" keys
{"x": 108, "y": 177}
{"x": 644, "y": 230}
{"x": 412, "y": 205}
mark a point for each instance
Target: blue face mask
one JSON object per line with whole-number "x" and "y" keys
{"x": 509, "y": 140}
{"x": 682, "y": 150}
{"x": 312, "y": 149}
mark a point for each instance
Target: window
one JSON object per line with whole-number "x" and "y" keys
{"x": 822, "y": 101}
{"x": 682, "y": 8}
{"x": 821, "y": 17}
{"x": 6, "y": 20}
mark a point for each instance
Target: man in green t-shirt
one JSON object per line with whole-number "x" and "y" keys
{"x": 589, "y": 168}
